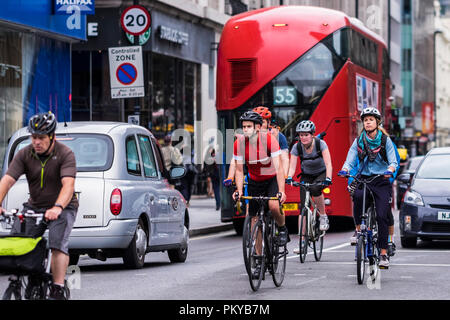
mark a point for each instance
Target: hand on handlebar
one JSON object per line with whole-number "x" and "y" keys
{"x": 281, "y": 197}
{"x": 236, "y": 196}
{"x": 343, "y": 173}
{"x": 289, "y": 180}
{"x": 327, "y": 182}
{"x": 227, "y": 182}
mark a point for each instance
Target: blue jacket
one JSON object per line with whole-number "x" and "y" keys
{"x": 378, "y": 166}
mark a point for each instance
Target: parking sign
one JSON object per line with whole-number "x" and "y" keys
{"x": 126, "y": 72}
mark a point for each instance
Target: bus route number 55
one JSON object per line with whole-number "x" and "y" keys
{"x": 285, "y": 95}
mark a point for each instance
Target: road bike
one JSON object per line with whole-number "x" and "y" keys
{"x": 367, "y": 249}
{"x": 23, "y": 283}
{"x": 309, "y": 231}
{"x": 260, "y": 245}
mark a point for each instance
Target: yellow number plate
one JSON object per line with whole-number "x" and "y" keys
{"x": 290, "y": 206}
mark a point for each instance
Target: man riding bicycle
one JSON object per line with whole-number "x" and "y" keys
{"x": 261, "y": 153}
{"x": 50, "y": 169}
{"x": 368, "y": 147}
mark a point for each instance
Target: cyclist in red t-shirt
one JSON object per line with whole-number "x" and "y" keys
{"x": 261, "y": 153}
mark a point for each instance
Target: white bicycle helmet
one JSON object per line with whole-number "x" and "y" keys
{"x": 306, "y": 126}
{"x": 370, "y": 111}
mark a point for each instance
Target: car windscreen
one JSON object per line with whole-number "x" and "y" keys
{"x": 435, "y": 167}
{"x": 414, "y": 163}
{"x": 93, "y": 152}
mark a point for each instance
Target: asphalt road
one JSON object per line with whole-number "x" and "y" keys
{"x": 214, "y": 270}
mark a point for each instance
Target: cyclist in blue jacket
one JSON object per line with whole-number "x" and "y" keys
{"x": 367, "y": 148}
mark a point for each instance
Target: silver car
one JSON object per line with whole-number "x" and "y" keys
{"x": 127, "y": 207}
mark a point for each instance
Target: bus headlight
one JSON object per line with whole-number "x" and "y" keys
{"x": 327, "y": 202}
{"x": 326, "y": 190}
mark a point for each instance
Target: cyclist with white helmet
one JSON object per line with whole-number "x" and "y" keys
{"x": 368, "y": 149}
{"x": 315, "y": 165}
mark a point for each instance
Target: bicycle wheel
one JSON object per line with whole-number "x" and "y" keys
{"x": 278, "y": 259}
{"x": 318, "y": 241}
{"x": 360, "y": 259}
{"x": 251, "y": 258}
{"x": 303, "y": 233}
{"x": 14, "y": 291}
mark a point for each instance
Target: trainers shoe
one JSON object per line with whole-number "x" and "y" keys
{"x": 391, "y": 249}
{"x": 324, "y": 223}
{"x": 283, "y": 236}
{"x": 354, "y": 238}
{"x": 33, "y": 283}
{"x": 384, "y": 262}
{"x": 257, "y": 271}
{"x": 58, "y": 293}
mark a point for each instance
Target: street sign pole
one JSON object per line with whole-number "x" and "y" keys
{"x": 136, "y": 43}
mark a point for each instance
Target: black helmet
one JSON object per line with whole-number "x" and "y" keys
{"x": 43, "y": 123}
{"x": 251, "y": 116}
{"x": 306, "y": 126}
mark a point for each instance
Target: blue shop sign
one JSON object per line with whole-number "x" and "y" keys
{"x": 39, "y": 14}
{"x": 68, "y": 6}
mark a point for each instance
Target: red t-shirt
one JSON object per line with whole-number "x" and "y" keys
{"x": 258, "y": 157}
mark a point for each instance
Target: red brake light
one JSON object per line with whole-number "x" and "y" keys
{"x": 116, "y": 202}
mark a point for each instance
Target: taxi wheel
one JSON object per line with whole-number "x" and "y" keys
{"x": 134, "y": 256}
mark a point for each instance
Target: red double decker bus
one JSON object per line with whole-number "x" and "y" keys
{"x": 303, "y": 63}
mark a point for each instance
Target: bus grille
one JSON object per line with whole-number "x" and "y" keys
{"x": 243, "y": 72}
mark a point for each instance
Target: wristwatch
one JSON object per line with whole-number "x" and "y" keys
{"x": 59, "y": 206}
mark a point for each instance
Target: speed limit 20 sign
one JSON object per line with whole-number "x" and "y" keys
{"x": 135, "y": 20}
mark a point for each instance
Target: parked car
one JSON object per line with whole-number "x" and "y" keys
{"x": 127, "y": 207}
{"x": 425, "y": 212}
{"x": 410, "y": 168}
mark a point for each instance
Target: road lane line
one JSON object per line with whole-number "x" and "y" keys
{"x": 324, "y": 250}
{"x": 312, "y": 280}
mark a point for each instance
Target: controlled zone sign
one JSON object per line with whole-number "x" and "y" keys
{"x": 126, "y": 72}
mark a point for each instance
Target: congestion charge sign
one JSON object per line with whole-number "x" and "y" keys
{"x": 126, "y": 72}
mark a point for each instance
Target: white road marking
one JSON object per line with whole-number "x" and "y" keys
{"x": 309, "y": 281}
{"x": 324, "y": 250}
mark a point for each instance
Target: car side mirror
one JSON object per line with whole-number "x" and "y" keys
{"x": 177, "y": 172}
{"x": 404, "y": 178}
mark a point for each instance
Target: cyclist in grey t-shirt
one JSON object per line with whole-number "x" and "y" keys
{"x": 316, "y": 166}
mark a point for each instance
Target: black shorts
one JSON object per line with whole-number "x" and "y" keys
{"x": 267, "y": 188}
{"x": 316, "y": 191}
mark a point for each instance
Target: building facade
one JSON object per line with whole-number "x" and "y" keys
{"x": 178, "y": 61}
{"x": 35, "y": 63}
{"x": 442, "y": 42}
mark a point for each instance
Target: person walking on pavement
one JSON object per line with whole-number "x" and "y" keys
{"x": 172, "y": 156}
{"x": 212, "y": 172}
{"x": 50, "y": 169}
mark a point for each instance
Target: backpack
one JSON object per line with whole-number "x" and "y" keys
{"x": 317, "y": 144}
{"x": 382, "y": 151}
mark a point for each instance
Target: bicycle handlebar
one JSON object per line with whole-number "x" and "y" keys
{"x": 308, "y": 185}
{"x": 348, "y": 175}
{"x": 256, "y": 198}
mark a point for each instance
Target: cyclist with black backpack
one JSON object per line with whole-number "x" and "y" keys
{"x": 315, "y": 164}
{"x": 375, "y": 153}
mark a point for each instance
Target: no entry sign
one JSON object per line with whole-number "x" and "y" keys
{"x": 126, "y": 72}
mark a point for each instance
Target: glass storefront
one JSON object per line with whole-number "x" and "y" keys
{"x": 34, "y": 77}
{"x": 170, "y": 102}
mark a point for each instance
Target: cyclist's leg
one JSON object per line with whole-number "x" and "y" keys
{"x": 381, "y": 190}
{"x": 58, "y": 237}
{"x": 253, "y": 208}
{"x": 316, "y": 193}
{"x": 274, "y": 207}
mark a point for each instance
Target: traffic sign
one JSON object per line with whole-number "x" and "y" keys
{"x": 135, "y": 20}
{"x": 126, "y": 72}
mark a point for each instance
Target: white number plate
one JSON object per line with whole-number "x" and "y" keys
{"x": 444, "y": 215}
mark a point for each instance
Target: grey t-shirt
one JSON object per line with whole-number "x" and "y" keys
{"x": 309, "y": 165}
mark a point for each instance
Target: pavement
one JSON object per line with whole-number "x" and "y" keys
{"x": 203, "y": 217}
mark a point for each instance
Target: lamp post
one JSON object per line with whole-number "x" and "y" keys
{"x": 436, "y": 32}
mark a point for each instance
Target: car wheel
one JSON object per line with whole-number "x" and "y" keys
{"x": 134, "y": 256}
{"x": 73, "y": 259}
{"x": 409, "y": 242}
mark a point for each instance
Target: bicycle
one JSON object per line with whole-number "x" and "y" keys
{"x": 309, "y": 230}
{"x": 42, "y": 280}
{"x": 272, "y": 256}
{"x": 367, "y": 240}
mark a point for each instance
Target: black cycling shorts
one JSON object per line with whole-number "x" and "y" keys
{"x": 266, "y": 188}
